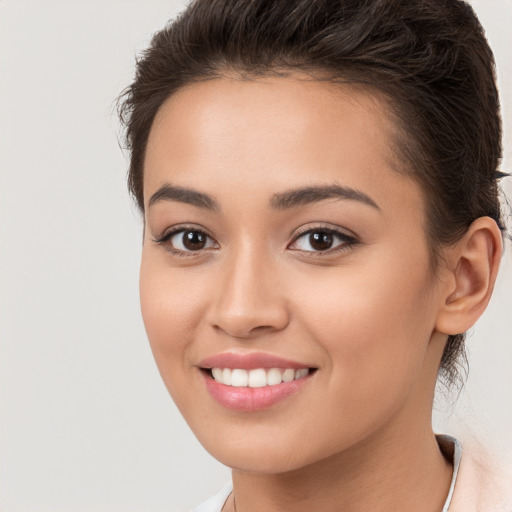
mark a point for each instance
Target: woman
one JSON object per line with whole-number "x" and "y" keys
{"x": 319, "y": 187}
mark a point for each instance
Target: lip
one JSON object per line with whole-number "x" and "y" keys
{"x": 249, "y": 361}
{"x": 249, "y": 399}
{"x": 252, "y": 399}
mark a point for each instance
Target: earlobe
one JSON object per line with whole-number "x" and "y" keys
{"x": 473, "y": 267}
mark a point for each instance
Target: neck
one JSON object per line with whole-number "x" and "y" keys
{"x": 383, "y": 475}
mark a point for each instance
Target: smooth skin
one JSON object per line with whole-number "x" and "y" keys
{"x": 365, "y": 310}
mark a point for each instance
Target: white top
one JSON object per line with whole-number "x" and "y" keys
{"x": 450, "y": 446}
{"x": 215, "y": 503}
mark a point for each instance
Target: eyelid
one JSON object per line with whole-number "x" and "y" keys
{"x": 348, "y": 238}
{"x": 325, "y": 227}
{"x": 171, "y": 231}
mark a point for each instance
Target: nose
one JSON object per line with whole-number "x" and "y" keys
{"x": 249, "y": 301}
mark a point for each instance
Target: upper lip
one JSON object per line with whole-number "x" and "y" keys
{"x": 249, "y": 361}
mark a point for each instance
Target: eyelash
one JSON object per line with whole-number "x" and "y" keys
{"x": 165, "y": 238}
{"x": 346, "y": 241}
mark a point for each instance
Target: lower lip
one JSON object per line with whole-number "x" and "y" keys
{"x": 252, "y": 399}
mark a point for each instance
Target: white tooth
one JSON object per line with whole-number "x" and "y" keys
{"x": 226, "y": 376}
{"x": 257, "y": 378}
{"x": 217, "y": 374}
{"x": 288, "y": 375}
{"x": 239, "y": 378}
{"x": 274, "y": 376}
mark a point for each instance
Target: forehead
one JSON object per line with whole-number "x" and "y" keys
{"x": 287, "y": 108}
{"x": 275, "y": 133}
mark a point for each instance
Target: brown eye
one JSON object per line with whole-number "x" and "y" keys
{"x": 188, "y": 240}
{"x": 321, "y": 241}
{"x": 193, "y": 240}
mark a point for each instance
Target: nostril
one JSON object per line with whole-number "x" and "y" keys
{"x": 248, "y": 309}
{"x": 245, "y": 329}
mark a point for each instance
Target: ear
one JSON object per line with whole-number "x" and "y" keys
{"x": 472, "y": 266}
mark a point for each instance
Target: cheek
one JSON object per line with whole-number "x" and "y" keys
{"x": 171, "y": 305}
{"x": 374, "y": 324}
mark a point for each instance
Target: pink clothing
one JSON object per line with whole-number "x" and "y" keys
{"x": 480, "y": 488}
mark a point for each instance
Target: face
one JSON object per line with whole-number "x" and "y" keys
{"x": 285, "y": 280}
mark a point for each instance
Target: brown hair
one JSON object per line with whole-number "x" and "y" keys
{"x": 430, "y": 59}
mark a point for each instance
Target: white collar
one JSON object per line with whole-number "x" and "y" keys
{"x": 451, "y": 449}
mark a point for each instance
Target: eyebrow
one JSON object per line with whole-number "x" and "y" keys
{"x": 313, "y": 194}
{"x": 184, "y": 195}
{"x": 281, "y": 201}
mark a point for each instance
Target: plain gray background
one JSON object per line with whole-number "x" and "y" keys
{"x": 85, "y": 422}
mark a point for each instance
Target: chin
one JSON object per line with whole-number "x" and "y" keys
{"x": 249, "y": 460}
{"x": 268, "y": 453}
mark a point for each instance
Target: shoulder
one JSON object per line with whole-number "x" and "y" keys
{"x": 482, "y": 485}
{"x": 216, "y": 502}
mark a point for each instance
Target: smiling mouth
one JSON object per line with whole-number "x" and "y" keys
{"x": 258, "y": 377}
